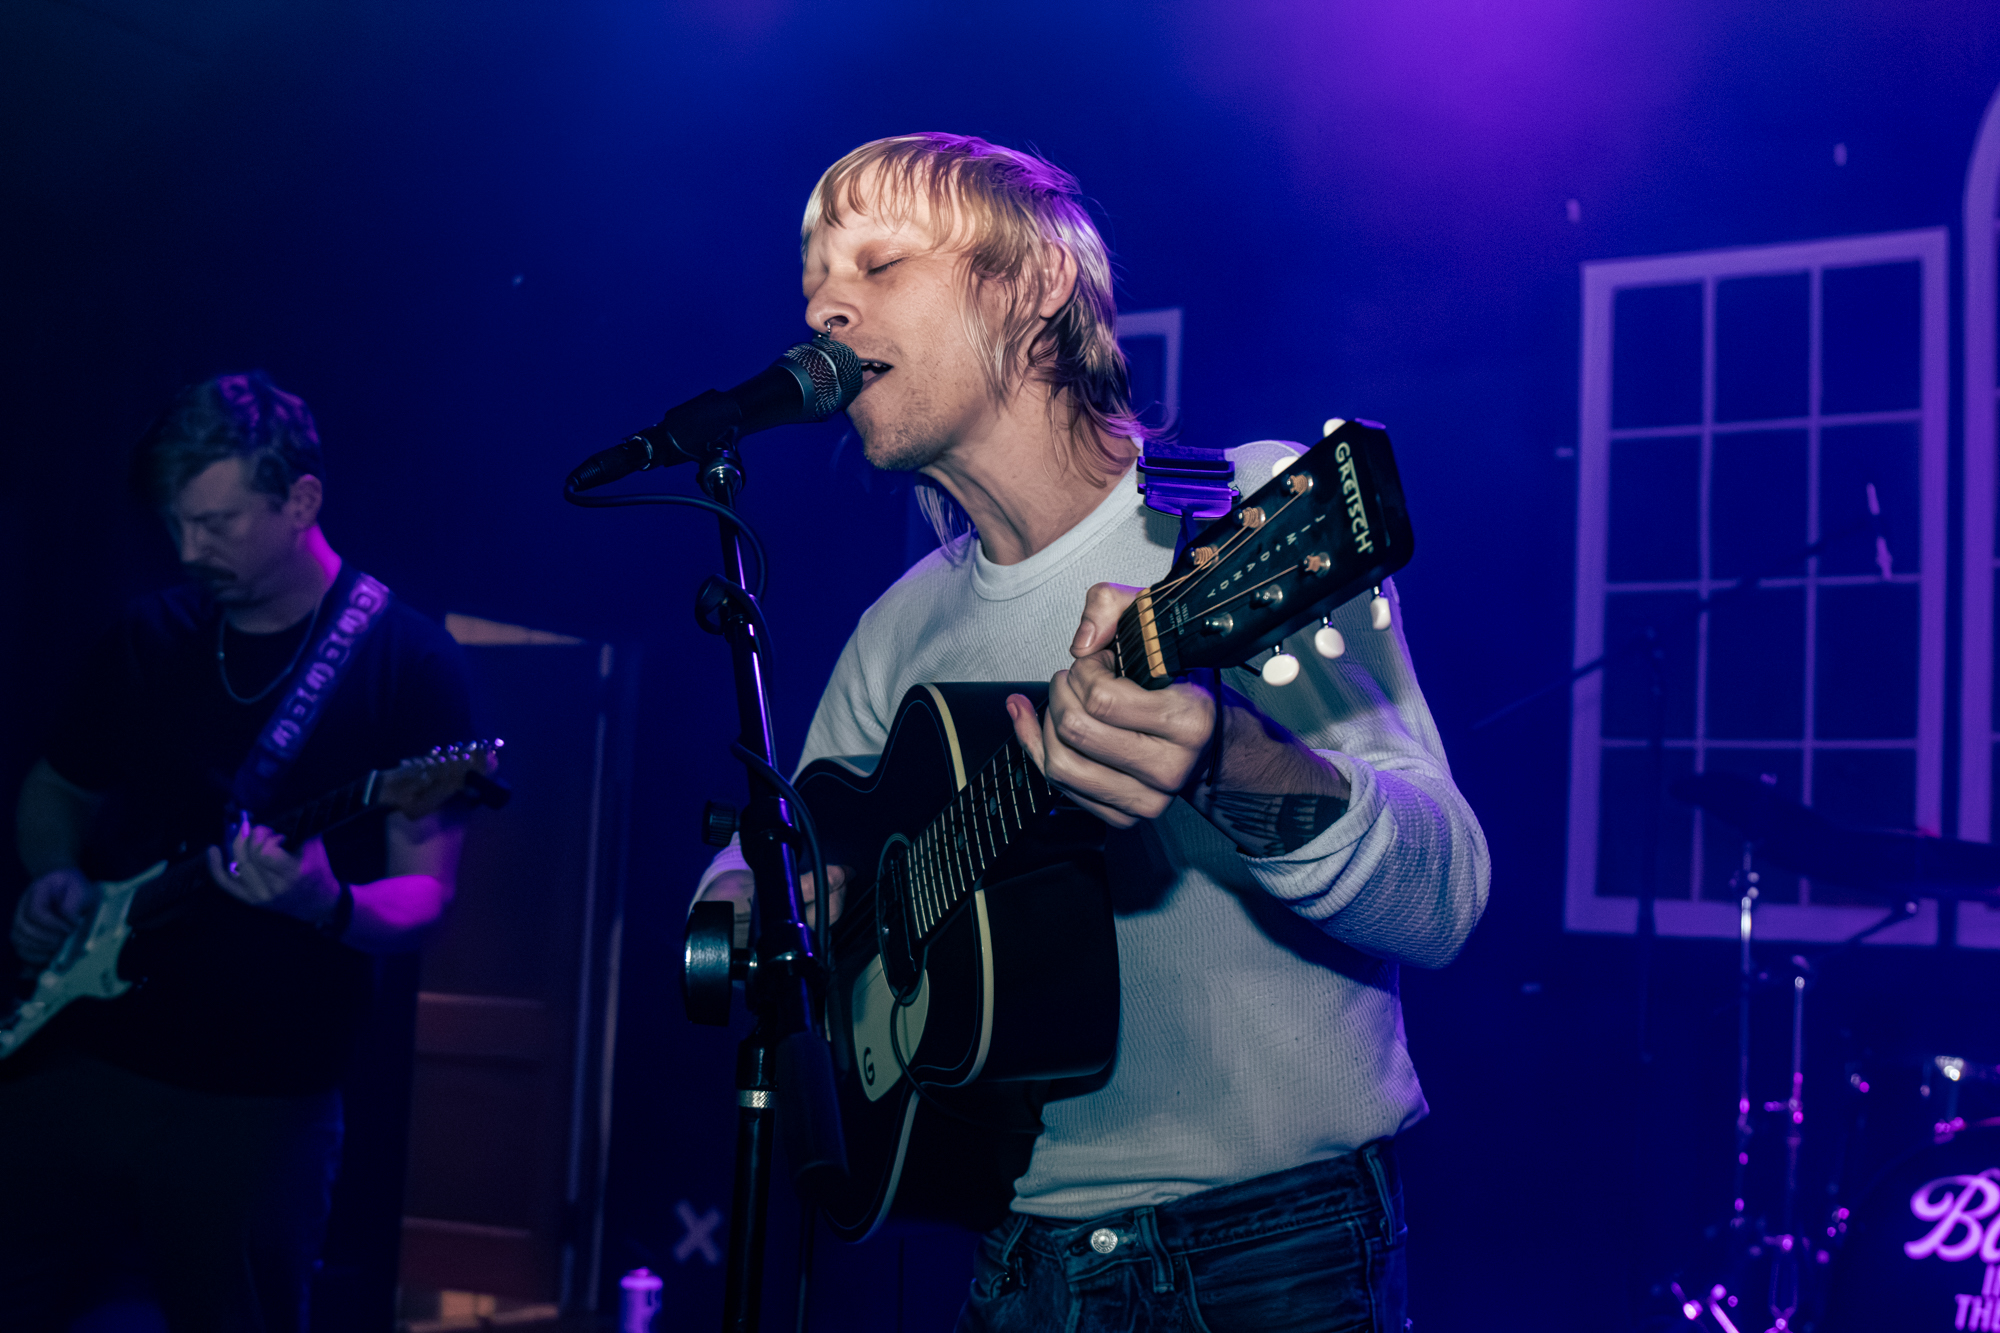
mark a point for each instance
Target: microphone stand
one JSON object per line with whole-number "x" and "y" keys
{"x": 784, "y": 974}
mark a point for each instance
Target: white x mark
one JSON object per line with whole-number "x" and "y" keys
{"x": 700, "y": 1234}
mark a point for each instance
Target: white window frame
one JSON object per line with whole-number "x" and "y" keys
{"x": 1165, "y": 325}
{"x": 1584, "y": 909}
{"x": 1982, "y": 474}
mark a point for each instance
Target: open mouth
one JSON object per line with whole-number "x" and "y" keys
{"x": 873, "y": 370}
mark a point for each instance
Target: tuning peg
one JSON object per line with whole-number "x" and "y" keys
{"x": 1332, "y": 424}
{"x": 1327, "y": 641}
{"x": 1378, "y": 609}
{"x": 1284, "y": 461}
{"x": 1280, "y": 669}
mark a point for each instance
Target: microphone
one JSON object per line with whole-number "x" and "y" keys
{"x": 810, "y": 382}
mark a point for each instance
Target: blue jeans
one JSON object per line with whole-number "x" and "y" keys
{"x": 1318, "y": 1248}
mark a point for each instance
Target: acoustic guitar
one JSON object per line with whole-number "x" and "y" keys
{"x": 86, "y": 966}
{"x": 976, "y": 960}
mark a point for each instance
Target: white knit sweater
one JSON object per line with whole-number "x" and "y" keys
{"x": 1260, "y": 1027}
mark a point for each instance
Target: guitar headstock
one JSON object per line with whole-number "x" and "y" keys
{"x": 1326, "y": 528}
{"x": 421, "y": 786}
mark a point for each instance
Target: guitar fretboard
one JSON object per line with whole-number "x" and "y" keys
{"x": 304, "y": 823}
{"x": 962, "y": 843}
{"x": 298, "y": 826}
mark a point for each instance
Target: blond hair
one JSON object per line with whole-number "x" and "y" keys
{"x": 1006, "y": 208}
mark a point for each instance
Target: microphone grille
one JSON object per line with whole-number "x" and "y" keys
{"x": 835, "y": 372}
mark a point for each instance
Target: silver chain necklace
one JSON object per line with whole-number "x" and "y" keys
{"x": 222, "y": 662}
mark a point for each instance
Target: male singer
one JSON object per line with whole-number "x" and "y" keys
{"x": 1234, "y": 1168}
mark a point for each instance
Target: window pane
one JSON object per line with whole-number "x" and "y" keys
{"x": 1870, "y": 323}
{"x": 1866, "y": 788}
{"x": 1757, "y": 665}
{"x": 1628, "y": 799}
{"x": 1757, "y": 504}
{"x": 1865, "y": 672}
{"x": 1655, "y": 528}
{"x": 1863, "y": 789}
{"x": 1656, "y": 357}
{"x": 1849, "y": 458}
{"x": 1628, "y": 677}
{"x": 1722, "y": 844}
{"x": 1760, "y": 347}
{"x": 1146, "y": 358}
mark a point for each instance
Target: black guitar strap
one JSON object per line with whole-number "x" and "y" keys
{"x": 319, "y": 673}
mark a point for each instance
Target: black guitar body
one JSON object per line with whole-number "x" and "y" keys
{"x": 976, "y": 959}
{"x": 1014, "y": 984}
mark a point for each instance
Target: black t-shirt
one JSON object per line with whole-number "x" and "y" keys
{"x": 235, "y": 998}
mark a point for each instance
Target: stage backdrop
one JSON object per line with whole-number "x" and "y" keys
{"x": 485, "y": 240}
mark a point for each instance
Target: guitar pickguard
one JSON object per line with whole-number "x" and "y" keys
{"x": 85, "y": 968}
{"x": 874, "y": 1009}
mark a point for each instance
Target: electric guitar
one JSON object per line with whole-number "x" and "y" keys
{"x": 86, "y": 966}
{"x": 977, "y": 958}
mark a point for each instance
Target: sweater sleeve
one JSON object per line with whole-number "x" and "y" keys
{"x": 1403, "y": 874}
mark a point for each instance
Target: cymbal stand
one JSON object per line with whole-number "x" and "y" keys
{"x": 1789, "y": 1244}
{"x": 1744, "y": 880}
{"x": 1787, "y": 1249}
{"x": 1748, "y": 1242}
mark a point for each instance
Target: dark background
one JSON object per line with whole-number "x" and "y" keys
{"x": 484, "y": 240}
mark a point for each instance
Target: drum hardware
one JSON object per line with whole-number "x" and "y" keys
{"x": 1898, "y": 866}
{"x": 1710, "y": 1313}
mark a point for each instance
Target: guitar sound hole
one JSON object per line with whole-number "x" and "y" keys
{"x": 894, "y": 934}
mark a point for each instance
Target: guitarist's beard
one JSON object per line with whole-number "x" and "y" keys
{"x": 221, "y": 585}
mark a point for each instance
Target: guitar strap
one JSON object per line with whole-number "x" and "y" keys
{"x": 302, "y": 704}
{"x": 1188, "y": 481}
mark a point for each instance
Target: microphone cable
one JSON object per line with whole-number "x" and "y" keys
{"x": 730, "y": 516}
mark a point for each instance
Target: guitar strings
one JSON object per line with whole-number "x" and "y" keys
{"x": 1128, "y": 640}
{"x": 1244, "y": 592}
{"x": 930, "y": 850}
{"x": 1229, "y": 547}
{"x": 1253, "y": 587}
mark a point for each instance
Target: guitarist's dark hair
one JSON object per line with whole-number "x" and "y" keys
{"x": 231, "y": 416}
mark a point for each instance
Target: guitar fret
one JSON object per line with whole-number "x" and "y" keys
{"x": 996, "y": 800}
{"x": 968, "y": 819}
{"x": 924, "y": 881}
{"x": 989, "y": 805}
{"x": 938, "y": 885}
{"x": 1015, "y": 781}
{"x": 961, "y": 856}
{"x": 968, "y": 833}
{"x": 934, "y": 893}
{"x": 962, "y": 845}
{"x": 987, "y": 853}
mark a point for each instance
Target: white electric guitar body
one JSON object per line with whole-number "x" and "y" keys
{"x": 86, "y": 967}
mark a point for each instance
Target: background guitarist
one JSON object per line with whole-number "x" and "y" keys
{"x": 1236, "y": 1158}
{"x": 192, "y": 1125}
